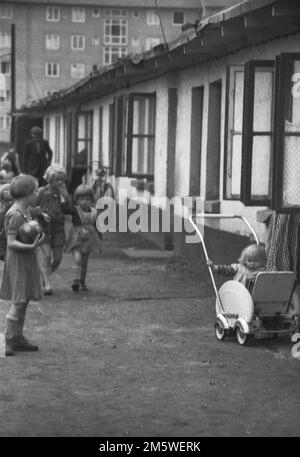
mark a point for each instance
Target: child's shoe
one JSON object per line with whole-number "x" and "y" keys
{"x": 20, "y": 343}
{"x": 75, "y": 286}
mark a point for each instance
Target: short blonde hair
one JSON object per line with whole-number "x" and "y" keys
{"x": 260, "y": 249}
{"x": 54, "y": 170}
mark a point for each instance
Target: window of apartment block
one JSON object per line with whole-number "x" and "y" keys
{"x": 95, "y": 40}
{"x": 4, "y": 123}
{"x": 233, "y": 132}
{"x": 52, "y": 41}
{"x": 152, "y": 17}
{"x": 52, "y": 13}
{"x": 140, "y": 135}
{"x": 57, "y": 139}
{"x": 5, "y": 67}
{"x": 257, "y": 133}
{"x": 151, "y": 42}
{"x": 52, "y": 69}
{"x": 77, "y": 70}
{"x": 4, "y": 95}
{"x": 96, "y": 12}
{"x": 77, "y": 42}
{"x": 115, "y": 32}
{"x": 84, "y": 139}
{"x": 5, "y": 40}
{"x": 136, "y": 14}
{"x": 112, "y": 53}
{"x": 115, "y": 13}
{"x": 285, "y": 189}
{"x": 135, "y": 42}
{"x": 178, "y": 17}
{"x": 78, "y": 14}
{"x": 6, "y": 12}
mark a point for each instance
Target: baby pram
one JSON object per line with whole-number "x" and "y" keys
{"x": 266, "y": 311}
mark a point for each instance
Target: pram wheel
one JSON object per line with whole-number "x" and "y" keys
{"x": 242, "y": 338}
{"x": 220, "y": 331}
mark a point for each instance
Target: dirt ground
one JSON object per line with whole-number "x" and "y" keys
{"x": 137, "y": 356}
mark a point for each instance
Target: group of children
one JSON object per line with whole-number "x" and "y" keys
{"x": 22, "y": 200}
{"x": 22, "y": 279}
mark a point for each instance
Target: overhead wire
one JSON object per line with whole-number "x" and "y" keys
{"x": 161, "y": 25}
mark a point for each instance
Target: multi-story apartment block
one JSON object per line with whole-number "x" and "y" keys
{"x": 59, "y": 42}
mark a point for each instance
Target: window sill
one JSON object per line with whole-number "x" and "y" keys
{"x": 142, "y": 185}
{"x": 212, "y": 206}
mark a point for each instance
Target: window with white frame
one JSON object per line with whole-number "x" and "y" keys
{"x": 178, "y": 17}
{"x": 115, "y": 32}
{"x": 115, "y": 13}
{"x": 96, "y": 12}
{"x": 77, "y": 70}
{"x": 52, "y": 69}
{"x": 77, "y": 42}
{"x": 140, "y": 135}
{"x": 4, "y": 95}
{"x": 257, "y": 133}
{"x": 113, "y": 53}
{"x": 78, "y": 14}
{"x": 152, "y": 17}
{"x": 95, "y": 40}
{"x": 52, "y": 41}
{"x": 4, "y": 122}
{"x": 135, "y": 43}
{"x": 52, "y": 14}
{"x": 4, "y": 67}
{"x": 234, "y": 132}
{"x": 5, "y": 40}
{"x": 84, "y": 145}
{"x": 6, "y": 12}
{"x": 151, "y": 42}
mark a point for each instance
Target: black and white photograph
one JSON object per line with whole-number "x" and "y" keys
{"x": 149, "y": 222}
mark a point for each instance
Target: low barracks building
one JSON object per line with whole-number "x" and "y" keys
{"x": 216, "y": 116}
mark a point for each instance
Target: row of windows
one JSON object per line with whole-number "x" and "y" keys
{"x": 79, "y": 15}
{"x": 52, "y": 70}
{"x": 53, "y": 14}
{"x": 77, "y": 70}
{"x": 78, "y": 42}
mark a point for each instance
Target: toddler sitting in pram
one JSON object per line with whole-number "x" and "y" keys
{"x": 251, "y": 262}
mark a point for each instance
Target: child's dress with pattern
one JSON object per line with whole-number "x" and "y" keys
{"x": 21, "y": 280}
{"x": 83, "y": 235}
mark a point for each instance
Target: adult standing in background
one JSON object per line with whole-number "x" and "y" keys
{"x": 37, "y": 155}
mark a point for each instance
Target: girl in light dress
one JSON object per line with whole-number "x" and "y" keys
{"x": 83, "y": 237}
{"x": 21, "y": 280}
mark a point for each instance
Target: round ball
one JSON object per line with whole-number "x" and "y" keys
{"x": 29, "y": 231}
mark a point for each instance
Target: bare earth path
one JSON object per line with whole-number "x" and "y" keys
{"x": 137, "y": 356}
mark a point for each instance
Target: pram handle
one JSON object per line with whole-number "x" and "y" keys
{"x": 217, "y": 216}
{"x": 229, "y": 216}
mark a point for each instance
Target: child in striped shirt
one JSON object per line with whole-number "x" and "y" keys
{"x": 251, "y": 262}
